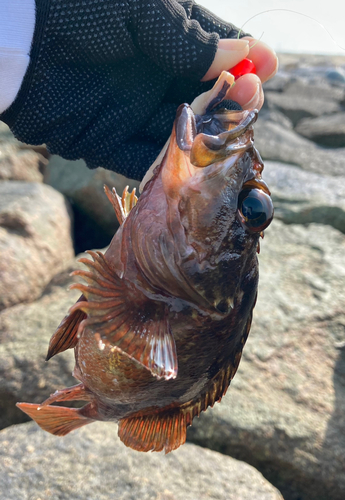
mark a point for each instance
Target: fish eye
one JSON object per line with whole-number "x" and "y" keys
{"x": 255, "y": 209}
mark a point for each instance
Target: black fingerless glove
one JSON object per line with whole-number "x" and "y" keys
{"x": 106, "y": 76}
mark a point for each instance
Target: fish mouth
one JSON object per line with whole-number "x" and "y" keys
{"x": 215, "y": 135}
{"x": 206, "y": 130}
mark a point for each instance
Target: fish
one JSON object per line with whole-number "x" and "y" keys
{"x": 165, "y": 312}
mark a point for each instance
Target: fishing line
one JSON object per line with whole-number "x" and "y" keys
{"x": 293, "y": 12}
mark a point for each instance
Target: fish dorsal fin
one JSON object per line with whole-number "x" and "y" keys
{"x": 124, "y": 318}
{"x": 65, "y": 336}
{"x": 122, "y": 205}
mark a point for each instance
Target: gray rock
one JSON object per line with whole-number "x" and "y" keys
{"x": 311, "y": 90}
{"x": 285, "y": 410}
{"x": 35, "y": 239}
{"x": 92, "y": 463}
{"x": 85, "y": 188}
{"x": 276, "y": 142}
{"x": 327, "y": 131}
{"x": 301, "y": 197}
{"x": 278, "y": 83}
{"x": 296, "y": 107}
{"x": 25, "y": 331}
{"x": 336, "y": 76}
{"x": 273, "y": 116}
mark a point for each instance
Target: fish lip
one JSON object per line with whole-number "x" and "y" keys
{"x": 185, "y": 127}
{"x": 216, "y": 142}
{"x": 208, "y": 149}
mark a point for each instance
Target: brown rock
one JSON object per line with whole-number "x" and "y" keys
{"x": 20, "y": 162}
{"x": 35, "y": 239}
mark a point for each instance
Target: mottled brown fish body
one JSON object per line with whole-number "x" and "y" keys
{"x": 159, "y": 331}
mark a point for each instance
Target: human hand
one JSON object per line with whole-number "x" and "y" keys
{"x": 106, "y": 77}
{"x": 247, "y": 90}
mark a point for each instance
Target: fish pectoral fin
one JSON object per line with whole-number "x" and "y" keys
{"x": 163, "y": 431}
{"x": 57, "y": 420}
{"x": 122, "y": 317}
{"x": 65, "y": 336}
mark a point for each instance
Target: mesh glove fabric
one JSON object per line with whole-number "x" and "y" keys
{"x": 106, "y": 77}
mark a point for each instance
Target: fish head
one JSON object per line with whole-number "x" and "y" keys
{"x": 219, "y": 204}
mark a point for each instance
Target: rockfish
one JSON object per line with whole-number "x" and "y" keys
{"x": 165, "y": 312}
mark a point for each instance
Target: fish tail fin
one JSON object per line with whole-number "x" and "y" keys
{"x": 57, "y": 420}
{"x": 154, "y": 432}
{"x": 65, "y": 337}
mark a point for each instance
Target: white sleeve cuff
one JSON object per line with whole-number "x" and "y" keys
{"x": 17, "y": 24}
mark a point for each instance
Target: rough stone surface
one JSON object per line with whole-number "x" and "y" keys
{"x": 92, "y": 463}
{"x": 319, "y": 89}
{"x": 325, "y": 130}
{"x": 85, "y": 188}
{"x": 25, "y": 331}
{"x": 278, "y": 83}
{"x": 302, "y": 197}
{"x": 278, "y": 143}
{"x": 20, "y": 162}
{"x": 35, "y": 239}
{"x": 296, "y": 107}
{"x": 285, "y": 410}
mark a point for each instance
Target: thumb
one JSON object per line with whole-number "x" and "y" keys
{"x": 229, "y": 53}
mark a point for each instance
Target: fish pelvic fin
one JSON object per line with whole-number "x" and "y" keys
{"x": 123, "y": 318}
{"x": 65, "y": 336}
{"x": 76, "y": 393}
{"x": 121, "y": 205}
{"x": 57, "y": 420}
{"x": 154, "y": 432}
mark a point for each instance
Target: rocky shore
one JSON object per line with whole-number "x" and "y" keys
{"x": 284, "y": 413}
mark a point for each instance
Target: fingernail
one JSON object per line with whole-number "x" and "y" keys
{"x": 233, "y": 44}
{"x": 255, "y": 100}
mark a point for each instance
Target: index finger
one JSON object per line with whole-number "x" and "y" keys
{"x": 264, "y": 58}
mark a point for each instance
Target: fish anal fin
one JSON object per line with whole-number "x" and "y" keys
{"x": 57, "y": 420}
{"x": 167, "y": 429}
{"x": 157, "y": 432}
{"x": 65, "y": 337}
{"x": 123, "y": 317}
{"x": 213, "y": 393}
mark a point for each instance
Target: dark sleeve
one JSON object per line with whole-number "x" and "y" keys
{"x": 209, "y": 21}
{"x": 99, "y": 72}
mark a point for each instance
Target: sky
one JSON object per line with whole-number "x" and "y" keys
{"x": 285, "y": 31}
